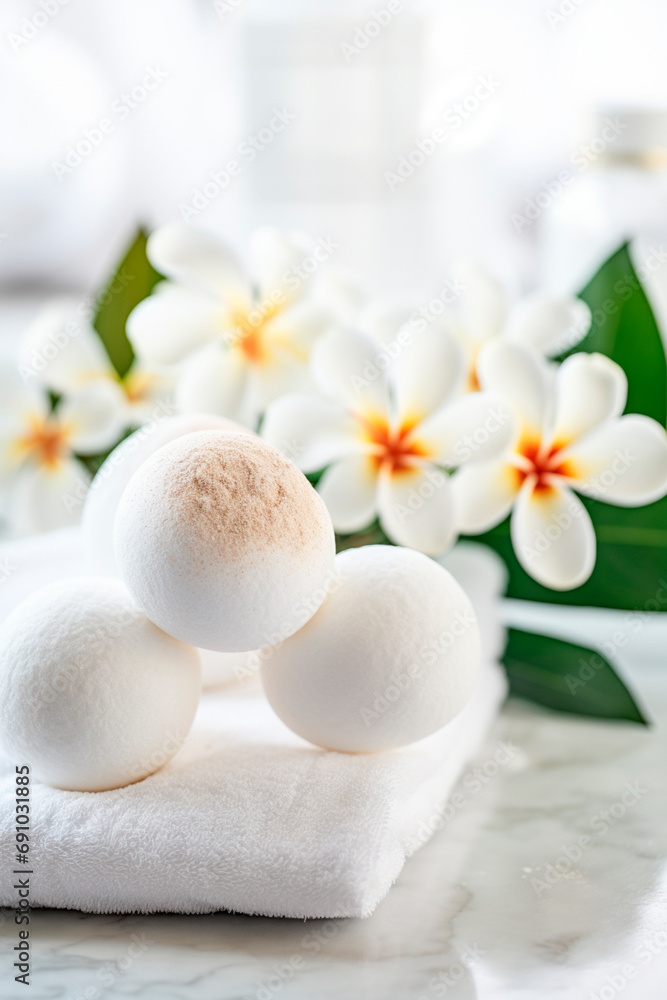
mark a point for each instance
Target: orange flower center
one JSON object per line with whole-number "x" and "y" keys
{"x": 393, "y": 450}
{"x": 46, "y": 442}
{"x": 249, "y": 329}
{"x": 532, "y": 461}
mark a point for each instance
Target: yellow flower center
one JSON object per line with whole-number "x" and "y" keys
{"x": 137, "y": 386}
{"x": 248, "y": 330}
{"x": 394, "y": 450}
{"x": 46, "y": 442}
{"x": 532, "y": 460}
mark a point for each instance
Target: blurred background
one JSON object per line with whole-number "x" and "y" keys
{"x": 530, "y": 135}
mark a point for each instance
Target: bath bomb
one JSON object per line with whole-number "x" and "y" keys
{"x": 223, "y": 542}
{"x": 103, "y": 496}
{"x": 92, "y": 694}
{"x": 391, "y": 656}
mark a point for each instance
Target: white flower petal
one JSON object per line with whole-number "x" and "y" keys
{"x": 382, "y": 320}
{"x": 173, "y": 322}
{"x": 61, "y": 348}
{"x": 426, "y": 373}
{"x": 20, "y": 399}
{"x": 349, "y": 490}
{"x": 522, "y": 378}
{"x": 214, "y": 380}
{"x": 282, "y": 374}
{"x": 474, "y": 428}
{"x": 197, "y": 257}
{"x": 277, "y": 263}
{"x": 590, "y": 389}
{"x": 553, "y": 536}
{"x": 43, "y": 499}
{"x": 311, "y": 431}
{"x": 482, "y": 303}
{"x": 339, "y": 294}
{"x": 95, "y": 417}
{"x": 416, "y": 508}
{"x": 296, "y": 328}
{"x": 548, "y": 325}
{"x": 349, "y": 367}
{"x": 623, "y": 462}
{"x": 484, "y": 494}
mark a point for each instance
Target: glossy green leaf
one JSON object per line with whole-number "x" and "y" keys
{"x": 624, "y": 328}
{"x": 132, "y": 281}
{"x": 567, "y": 677}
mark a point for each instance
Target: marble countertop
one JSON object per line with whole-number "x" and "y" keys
{"x": 549, "y": 881}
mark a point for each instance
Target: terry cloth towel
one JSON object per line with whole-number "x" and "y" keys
{"x": 247, "y": 816}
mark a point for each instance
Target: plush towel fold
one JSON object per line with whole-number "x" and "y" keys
{"x": 247, "y": 816}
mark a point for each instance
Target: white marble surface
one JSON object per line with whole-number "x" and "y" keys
{"x": 467, "y": 917}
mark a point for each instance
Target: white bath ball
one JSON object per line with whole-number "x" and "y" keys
{"x": 223, "y": 542}
{"x": 92, "y": 694}
{"x": 390, "y": 657}
{"x": 99, "y": 508}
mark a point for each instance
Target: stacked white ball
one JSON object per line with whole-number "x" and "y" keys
{"x": 103, "y": 497}
{"x": 390, "y": 657}
{"x": 92, "y": 694}
{"x": 223, "y": 542}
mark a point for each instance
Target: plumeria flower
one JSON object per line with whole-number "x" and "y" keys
{"x": 242, "y": 341}
{"x": 570, "y": 436}
{"x": 42, "y": 481}
{"x": 386, "y": 437}
{"x": 61, "y": 350}
{"x": 546, "y": 324}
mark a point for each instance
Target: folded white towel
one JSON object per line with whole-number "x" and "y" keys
{"x": 247, "y": 816}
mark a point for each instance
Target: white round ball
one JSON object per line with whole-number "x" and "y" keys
{"x": 103, "y": 497}
{"x": 390, "y": 657}
{"x": 92, "y": 694}
{"x": 223, "y": 542}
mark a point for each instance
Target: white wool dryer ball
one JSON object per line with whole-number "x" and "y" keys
{"x": 103, "y": 497}
{"x": 390, "y": 657}
{"x": 223, "y": 542}
{"x": 92, "y": 694}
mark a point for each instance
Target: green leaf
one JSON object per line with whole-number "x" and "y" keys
{"x": 132, "y": 281}
{"x": 631, "y": 566}
{"x": 624, "y": 328}
{"x": 567, "y": 677}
